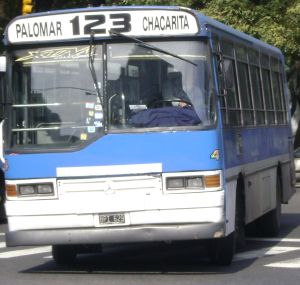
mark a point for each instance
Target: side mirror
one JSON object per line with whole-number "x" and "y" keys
{"x": 2, "y": 64}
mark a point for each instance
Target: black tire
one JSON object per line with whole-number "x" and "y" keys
{"x": 222, "y": 250}
{"x": 63, "y": 254}
{"x": 2, "y": 198}
{"x": 240, "y": 228}
{"x": 269, "y": 223}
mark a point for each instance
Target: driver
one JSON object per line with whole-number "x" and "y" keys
{"x": 179, "y": 113}
{"x": 172, "y": 90}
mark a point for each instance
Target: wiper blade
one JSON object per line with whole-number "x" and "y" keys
{"x": 92, "y": 67}
{"x": 149, "y": 46}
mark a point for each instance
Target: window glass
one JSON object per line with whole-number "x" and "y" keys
{"x": 268, "y": 96}
{"x": 215, "y": 43}
{"x": 257, "y": 95}
{"x": 232, "y": 99}
{"x": 241, "y": 53}
{"x": 253, "y": 57}
{"x": 54, "y": 98}
{"x": 244, "y": 84}
{"x": 264, "y": 60}
{"x": 227, "y": 48}
{"x": 280, "y": 114}
{"x": 275, "y": 64}
{"x": 147, "y": 88}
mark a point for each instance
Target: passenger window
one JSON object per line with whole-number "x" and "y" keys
{"x": 257, "y": 95}
{"x": 278, "y": 94}
{"x": 244, "y": 84}
{"x": 266, "y": 81}
{"x": 232, "y": 99}
{"x": 232, "y": 111}
{"x": 268, "y": 96}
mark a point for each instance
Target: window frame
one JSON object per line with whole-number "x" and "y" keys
{"x": 257, "y": 61}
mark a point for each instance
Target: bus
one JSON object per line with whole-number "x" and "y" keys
{"x": 142, "y": 124}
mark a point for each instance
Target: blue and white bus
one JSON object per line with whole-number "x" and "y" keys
{"x": 140, "y": 124}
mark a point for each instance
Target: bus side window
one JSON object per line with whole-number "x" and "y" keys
{"x": 244, "y": 85}
{"x": 277, "y": 91}
{"x": 230, "y": 76}
{"x": 256, "y": 87}
{"x": 266, "y": 81}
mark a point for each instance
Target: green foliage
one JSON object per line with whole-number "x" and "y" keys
{"x": 276, "y": 22}
{"x": 11, "y": 8}
{"x": 186, "y": 3}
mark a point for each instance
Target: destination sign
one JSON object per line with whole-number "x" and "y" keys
{"x": 80, "y": 25}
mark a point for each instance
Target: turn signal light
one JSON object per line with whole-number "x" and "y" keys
{"x": 212, "y": 181}
{"x": 11, "y": 190}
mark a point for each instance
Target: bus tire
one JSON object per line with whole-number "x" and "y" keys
{"x": 2, "y": 210}
{"x": 222, "y": 250}
{"x": 240, "y": 228}
{"x": 2, "y": 198}
{"x": 63, "y": 254}
{"x": 269, "y": 223}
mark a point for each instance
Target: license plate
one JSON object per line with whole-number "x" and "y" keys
{"x": 109, "y": 219}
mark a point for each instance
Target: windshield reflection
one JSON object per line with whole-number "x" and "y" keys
{"x": 55, "y": 103}
{"x": 149, "y": 88}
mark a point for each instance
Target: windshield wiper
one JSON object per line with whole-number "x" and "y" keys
{"x": 149, "y": 46}
{"x": 92, "y": 50}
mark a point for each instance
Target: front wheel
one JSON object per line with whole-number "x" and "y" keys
{"x": 222, "y": 250}
{"x": 63, "y": 254}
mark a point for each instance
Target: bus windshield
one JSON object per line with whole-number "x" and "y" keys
{"x": 54, "y": 97}
{"x": 58, "y": 103}
{"x": 151, "y": 88}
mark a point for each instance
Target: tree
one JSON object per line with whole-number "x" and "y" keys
{"x": 276, "y": 22}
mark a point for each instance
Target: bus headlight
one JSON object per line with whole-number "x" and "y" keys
{"x": 184, "y": 182}
{"x": 45, "y": 189}
{"x": 26, "y": 190}
{"x": 194, "y": 182}
{"x": 175, "y": 182}
{"x": 35, "y": 189}
{"x": 191, "y": 182}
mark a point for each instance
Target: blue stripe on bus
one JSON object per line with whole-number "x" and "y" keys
{"x": 257, "y": 144}
{"x": 177, "y": 151}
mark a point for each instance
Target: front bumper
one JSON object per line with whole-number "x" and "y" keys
{"x": 72, "y": 215}
{"x": 115, "y": 234}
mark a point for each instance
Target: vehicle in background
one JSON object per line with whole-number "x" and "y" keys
{"x": 297, "y": 166}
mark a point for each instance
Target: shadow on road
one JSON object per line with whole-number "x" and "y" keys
{"x": 175, "y": 258}
{"x": 157, "y": 258}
